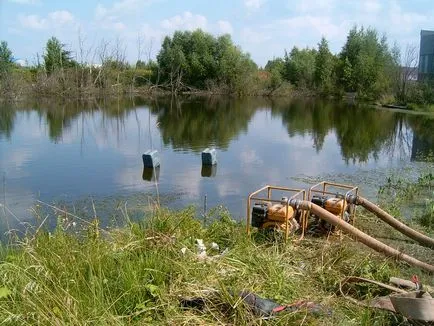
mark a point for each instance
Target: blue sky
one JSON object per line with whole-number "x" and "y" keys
{"x": 264, "y": 28}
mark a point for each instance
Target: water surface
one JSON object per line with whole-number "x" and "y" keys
{"x": 79, "y": 152}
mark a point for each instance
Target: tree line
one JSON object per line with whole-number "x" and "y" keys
{"x": 184, "y": 122}
{"x": 367, "y": 66}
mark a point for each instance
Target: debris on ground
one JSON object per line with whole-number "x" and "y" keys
{"x": 201, "y": 251}
{"x": 261, "y": 306}
{"x": 267, "y": 307}
{"x": 416, "y": 304}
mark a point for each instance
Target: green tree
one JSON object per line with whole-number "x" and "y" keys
{"x": 276, "y": 68}
{"x": 6, "y": 64}
{"x": 323, "y": 67}
{"x": 366, "y": 63}
{"x": 236, "y": 69}
{"x": 6, "y": 60}
{"x": 275, "y": 63}
{"x": 187, "y": 58}
{"x": 300, "y": 67}
{"x": 55, "y": 56}
{"x": 196, "y": 59}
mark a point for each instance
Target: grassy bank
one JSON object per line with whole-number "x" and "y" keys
{"x": 140, "y": 274}
{"x": 422, "y": 108}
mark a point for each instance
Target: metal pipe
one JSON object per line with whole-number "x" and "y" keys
{"x": 266, "y": 199}
{"x": 359, "y": 235}
{"x": 393, "y": 222}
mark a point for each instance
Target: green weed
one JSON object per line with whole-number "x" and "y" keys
{"x": 140, "y": 274}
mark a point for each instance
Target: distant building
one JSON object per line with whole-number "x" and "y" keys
{"x": 426, "y": 58}
{"x": 20, "y": 62}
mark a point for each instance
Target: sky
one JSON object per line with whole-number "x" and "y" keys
{"x": 264, "y": 28}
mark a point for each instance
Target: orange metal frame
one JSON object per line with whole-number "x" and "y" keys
{"x": 296, "y": 194}
{"x": 322, "y": 188}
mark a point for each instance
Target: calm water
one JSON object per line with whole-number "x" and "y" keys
{"x": 75, "y": 153}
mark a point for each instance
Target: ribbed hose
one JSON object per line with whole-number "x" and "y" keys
{"x": 360, "y": 236}
{"x": 393, "y": 222}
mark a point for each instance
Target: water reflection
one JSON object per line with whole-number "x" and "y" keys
{"x": 51, "y": 150}
{"x": 151, "y": 174}
{"x": 209, "y": 171}
{"x": 361, "y": 131}
{"x": 195, "y": 124}
{"x": 422, "y": 145}
{"x": 7, "y": 118}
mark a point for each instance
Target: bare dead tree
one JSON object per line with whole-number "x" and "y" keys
{"x": 408, "y": 70}
{"x": 118, "y": 57}
{"x": 118, "y": 53}
{"x": 101, "y": 53}
{"x": 149, "y": 52}
{"x": 83, "y": 55}
{"x": 139, "y": 57}
{"x": 149, "y": 57}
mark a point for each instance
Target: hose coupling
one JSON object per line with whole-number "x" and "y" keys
{"x": 351, "y": 199}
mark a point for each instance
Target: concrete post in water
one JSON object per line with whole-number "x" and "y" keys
{"x": 151, "y": 159}
{"x": 209, "y": 156}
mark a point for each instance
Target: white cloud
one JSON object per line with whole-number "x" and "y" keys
{"x": 61, "y": 17}
{"x": 149, "y": 32}
{"x": 254, "y": 36}
{"x": 404, "y": 20}
{"x": 107, "y": 19}
{"x": 111, "y": 17}
{"x": 100, "y": 12}
{"x": 120, "y": 8}
{"x": 254, "y": 5}
{"x": 33, "y": 21}
{"x": 53, "y": 19}
{"x": 225, "y": 27}
{"x": 186, "y": 21}
{"x": 319, "y": 25}
{"x": 119, "y": 26}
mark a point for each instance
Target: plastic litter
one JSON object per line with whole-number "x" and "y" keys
{"x": 215, "y": 246}
{"x": 260, "y": 306}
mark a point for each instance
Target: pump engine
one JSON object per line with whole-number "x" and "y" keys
{"x": 266, "y": 215}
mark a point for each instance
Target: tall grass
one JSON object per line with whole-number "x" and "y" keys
{"x": 139, "y": 275}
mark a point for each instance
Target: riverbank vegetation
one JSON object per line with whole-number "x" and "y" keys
{"x": 148, "y": 273}
{"x": 367, "y": 67}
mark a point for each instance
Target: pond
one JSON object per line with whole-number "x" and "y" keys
{"x": 86, "y": 156}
